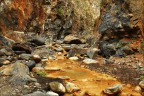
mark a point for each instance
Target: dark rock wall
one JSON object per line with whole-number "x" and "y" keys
{"x": 120, "y": 19}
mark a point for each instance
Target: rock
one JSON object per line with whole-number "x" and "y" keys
{"x": 63, "y": 77}
{"x": 141, "y": 84}
{"x": 25, "y": 56}
{"x": 4, "y": 62}
{"x": 57, "y": 87}
{"x": 20, "y": 74}
{"x": 116, "y": 89}
{"x": 59, "y": 49}
{"x": 72, "y": 40}
{"x": 71, "y": 87}
{"x": 38, "y": 41}
{"x": 74, "y": 58}
{"x": 138, "y": 89}
{"x": 92, "y": 52}
{"x": 20, "y": 48}
{"x": 31, "y": 64}
{"x": 36, "y": 58}
{"x": 90, "y": 61}
{"x": 37, "y": 93}
{"x": 6, "y": 41}
{"x": 37, "y": 69}
{"x": 50, "y": 93}
{"x": 5, "y": 52}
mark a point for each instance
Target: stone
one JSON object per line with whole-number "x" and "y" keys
{"x": 36, "y": 58}
{"x": 50, "y": 93}
{"x": 31, "y": 64}
{"x": 71, "y": 87}
{"x": 20, "y": 74}
{"x": 141, "y": 84}
{"x": 37, "y": 69}
{"x": 138, "y": 89}
{"x": 57, "y": 87}
{"x": 25, "y": 56}
{"x": 72, "y": 40}
{"x": 38, "y": 41}
{"x": 37, "y": 93}
{"x": 90, "y": 61}
{"x": 113, "y": 90}
{"x": 74, "y": 58}
{"x": 4, "y": 62}
{"x": 5, "y": 52}
{"x": 20, "y": 48}
{"x": 92, "y": 52}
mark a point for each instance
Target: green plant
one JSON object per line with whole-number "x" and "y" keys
{"x": 41, "y": 73}
{"x": 60, "y": 11}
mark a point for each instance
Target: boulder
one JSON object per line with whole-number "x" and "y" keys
{"x": 57, "y": 87}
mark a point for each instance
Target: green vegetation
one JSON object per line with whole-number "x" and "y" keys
{"x": 41, "y": 73}
{"x": 60, "y": 11}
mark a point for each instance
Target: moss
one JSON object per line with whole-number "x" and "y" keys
{"x": 60, "y": 11}
{"x": 41, "y": 73}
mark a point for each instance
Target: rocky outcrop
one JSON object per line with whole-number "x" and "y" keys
{"x": 54, "y": 17}
{"x": 119, "y": 19}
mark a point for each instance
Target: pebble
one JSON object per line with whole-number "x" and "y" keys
{"x": 138, "y": 89}
{"x": 36, "y": 58}
{"x": 71, "y": 87}
{"x": 113, "y": 90}
{"x": 74, "y": 58}
{"x": 90, "y": 61}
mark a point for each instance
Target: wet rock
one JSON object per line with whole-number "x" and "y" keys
{"x": 50, "y": 93}
{"x": 141, "y": 84}
{"x": 31, "y": 64}
{"x": 74, "y": 58}
{"x": 92, "y": 52}
{"x": 114, "y": 90}
{"x": 20, "y": 74}
{"x": 37, "y": 93}
{"x": 20, "y": 48}
{"x": 25, "y": 56}
{"x": 90, "y": 61}
{"x": 72, "y": 40}
{"x": 36, "y": 58}
{"x": 57, "y": 87}
{"x": 71, "y": 87}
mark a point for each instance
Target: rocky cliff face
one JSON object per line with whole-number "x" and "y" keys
{"x": 55, "y": 17}
{"x": 120, "y": 19}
